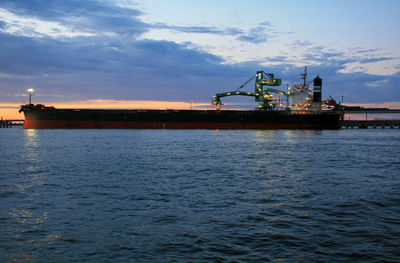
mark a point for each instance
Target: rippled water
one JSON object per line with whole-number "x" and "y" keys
{"x": 199, "y": 195}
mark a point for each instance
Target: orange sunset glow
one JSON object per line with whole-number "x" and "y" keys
{"x": 9, "y": 110}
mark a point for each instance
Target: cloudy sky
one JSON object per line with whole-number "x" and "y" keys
{"x": 179, "y": 51}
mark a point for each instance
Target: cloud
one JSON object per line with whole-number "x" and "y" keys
{"x": 106, "y": 58}
{"x": 376, "y": 59}
{"x": 362, "y": 51}
{"x": 254, "y": 35}
{"x": 377, "y": 83}
{"x": 103, "y": 67}
{"x": 258, "y": 34}
{"x": 279, "y": 59}
{"x": 97, "y": 17}
{"x": 30, "y": 27}
{"x": 266, "y": 24}
{"x": 195, "y": 29}
{"x": 301, "y": 43}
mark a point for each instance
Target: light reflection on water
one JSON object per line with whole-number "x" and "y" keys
{"x": 31, "y": 144}
{"x": 27, "y": 217}
{"x": 30, "y": 215}
{"x": 33, "y": 164}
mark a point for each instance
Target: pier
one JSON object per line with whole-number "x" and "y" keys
{"x": 10, "y": 123}
{"x": 370, "y": 124}
{"x": 5, "y": 124}
{"x": 365, "y": 124}
{"x": 360, "y": 110}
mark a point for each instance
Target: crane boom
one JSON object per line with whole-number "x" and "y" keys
{"x": 261, "y": 94}
{"x": 279, "y": 92}
{"x": 216, "y": 100}
{"x": 247, "y": 82}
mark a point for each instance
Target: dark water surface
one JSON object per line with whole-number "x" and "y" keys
{"x": 199, "y": 196}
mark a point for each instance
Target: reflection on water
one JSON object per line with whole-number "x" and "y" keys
{"x": 31, "y": 145}
{"x": 262, "y": 134}
{"x": 33, "y": 163}
{"x": 199, "y": 196}
{"x": 31, "y": 137}
{"x": 296, "y": 133}
{"x": 30, "y": 216}
{"x": 282, "y": 161}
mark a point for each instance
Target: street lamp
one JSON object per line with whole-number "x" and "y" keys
{"x": 30, "y": 91}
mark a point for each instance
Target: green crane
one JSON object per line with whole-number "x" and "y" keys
{"x": 261, "y": 95}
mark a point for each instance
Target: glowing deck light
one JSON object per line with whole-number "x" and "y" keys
{"x": 30, "y": 91}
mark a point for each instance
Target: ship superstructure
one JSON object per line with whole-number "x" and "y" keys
{"x": 298, "y": 97}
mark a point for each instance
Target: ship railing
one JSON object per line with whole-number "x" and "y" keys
{"x": 311, "y": 112}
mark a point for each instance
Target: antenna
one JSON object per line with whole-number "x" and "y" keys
{"x": 304, "y": 76}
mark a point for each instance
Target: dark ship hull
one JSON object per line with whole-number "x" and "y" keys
{"x": 41, "y": 117}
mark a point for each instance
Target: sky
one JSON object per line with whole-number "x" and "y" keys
{"x": 149, "y": 53}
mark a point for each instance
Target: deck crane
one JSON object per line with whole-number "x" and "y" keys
{"x": 262, "y": 95}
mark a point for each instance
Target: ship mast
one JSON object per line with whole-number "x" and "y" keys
{"x": 304, "y": 76}
{"x": 30, "y": 91}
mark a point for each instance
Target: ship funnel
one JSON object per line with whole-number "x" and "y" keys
{"x": 317, "y": 89}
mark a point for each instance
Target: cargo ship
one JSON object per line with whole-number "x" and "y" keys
{"x": 303, "y": 110}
